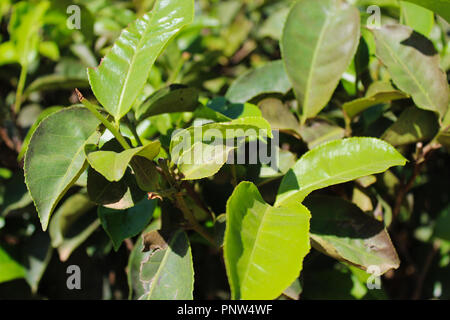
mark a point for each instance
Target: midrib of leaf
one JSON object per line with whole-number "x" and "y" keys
{"x": 318, "y": 182}
{"x": 313, "y": 62}
{"x": 405, "y": 67}
{"x": 260, "y": 227}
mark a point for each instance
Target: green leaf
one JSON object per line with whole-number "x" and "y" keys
{"x": 279, "y": 115}
{"x": 68, "y": 213}
{"x": 222, "y": 130}
{"x": 231, "y": 110}
{"x": 340, "y": 229}
{"x": 417, "y": 17}
{"x": 134, "y": 263}
{"x": 319, "y": 132}
{"x": 168, "y": 273}
{"x": 413, "y": 64}
{"x": 10, "y": 269}
{"x": 269, "y": 78}
{"x": 123, "y": 72}
{"x": 203, "y": 160}
{"x": 264, "y": 246}
{"x": 336, "y": 162}
{"x": 44, "y": 114}
{"x": 412, "y": 126}
{"x": 378, "y": 92}
{"x": 124, "y": 224}
{"x": 273, "y": 26}
{"x": 319, "y": 40}
{"x": 112, "y": 165}
{"x": 24, "y": 27}
{"x": 175, "y": 98}
{"x": 441, "y": 7}
{"x": 55, "y": 157}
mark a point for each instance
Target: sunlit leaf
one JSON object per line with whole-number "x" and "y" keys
{"x": 319, "y": 40}
{"x": 264, "y": 246}
{"x": 123, "y": 72}
{"x": 336, "y": 162}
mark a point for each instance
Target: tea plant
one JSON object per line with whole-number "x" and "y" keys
{"x": 149, "y": 155}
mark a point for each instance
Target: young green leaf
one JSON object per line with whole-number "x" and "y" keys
{"x": 55, "y": 157}
{"x": 266, "y": 79}
{"x": 123, "y": 72}
{"x": 336, "y": 162}
{"x": 168, "y": 273}
{"x": 264, "y": 246}
{"x": 112, "y": 165}
{"x": 124, "y": 224}
{"x": 319, "y": 40}
{"x": 413, "y": 64}
{"x": 340, "y": 229}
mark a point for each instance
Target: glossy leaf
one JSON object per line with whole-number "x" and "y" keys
{"x": 341, "y": 230}
{"x": 413, "y": 64}
{"x": 123, "y": 72}
{"x": 124, "y": 224}
{"x": 55, "y": 157}
{"x": 172, "y": 99}
{"x": 319, "y": 40}
{"x": 168, "y": 273}
{"x": 378, "y": 92}
{"x": 112, "y": 165}
{"x": 336, "y": 162}
{"x": 269, "y": 78}
{"x": 264, "y": 246}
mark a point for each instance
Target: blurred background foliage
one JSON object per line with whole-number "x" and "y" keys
{"x": 39, "y": 53}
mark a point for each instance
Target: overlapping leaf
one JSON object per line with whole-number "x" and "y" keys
{"x": 413, "y": 64}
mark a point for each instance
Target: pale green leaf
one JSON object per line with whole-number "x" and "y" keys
{"x": 417, "y": 17}
{"x": 112, "y": 165}
{"x": 10, "y": 269}
{"x": 441, "y": 7}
